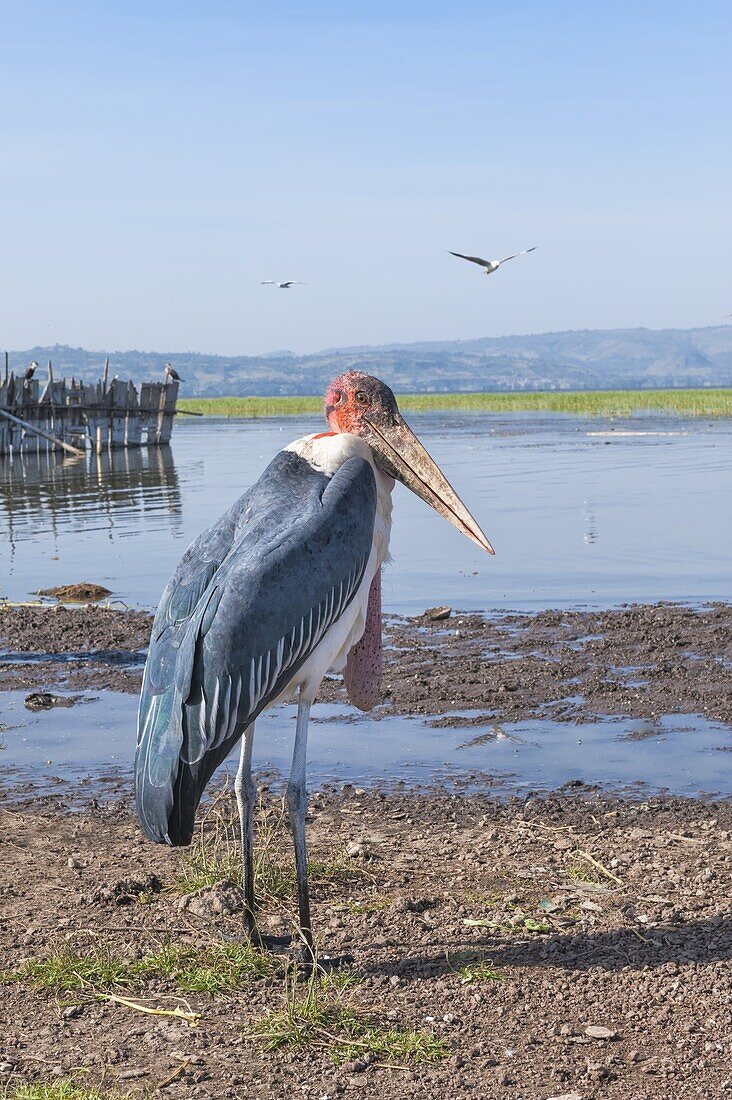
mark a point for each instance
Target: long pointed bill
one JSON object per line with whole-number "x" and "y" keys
{"x": 404, "y": 457}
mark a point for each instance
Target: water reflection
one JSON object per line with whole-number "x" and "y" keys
{"x": 42, "y": 494}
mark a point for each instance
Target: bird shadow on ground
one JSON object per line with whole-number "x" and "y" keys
{"x": 700, "y": 942}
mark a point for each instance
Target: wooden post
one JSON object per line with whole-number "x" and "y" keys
{"x": 50, "y": 372}
{"x": 6, "y": 368}
{"x": 105, "y": 377}
{"x": 40, "y": 432}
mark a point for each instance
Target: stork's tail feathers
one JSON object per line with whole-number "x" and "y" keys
{"x": 165, "y": 788}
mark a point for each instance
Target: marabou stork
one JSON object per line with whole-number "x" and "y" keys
{"x": 492, "y": 265}
{"x": 284, "y": 587}
{"x": 171, "y": 372}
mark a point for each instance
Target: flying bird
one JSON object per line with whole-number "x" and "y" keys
{"x": 492, "y": 265}
{"x": 171, "y": 372}
{"x": 282, "y": 286}
{"x": 284, "y": 587}
{"x": 30, "y": 371}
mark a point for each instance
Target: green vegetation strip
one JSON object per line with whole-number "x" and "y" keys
{"x": 706, "y": 402}
{"x": 66, "y": 1089}
{"x": 216, "y": 968}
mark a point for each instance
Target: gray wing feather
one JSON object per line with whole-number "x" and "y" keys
{"x": 249, "y": 602}
{"x": 473, "y": 259}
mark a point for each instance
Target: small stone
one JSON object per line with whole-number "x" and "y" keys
{"x": 596, "y": 1031}
{"x": 436, "y": 614}
{"x": 72, "y": 1011}
{"x": 223, "y": 898}
{"x": 74, "y": 864}
{"x": 355, "y": 850}
{"x": 6, "y": 1067}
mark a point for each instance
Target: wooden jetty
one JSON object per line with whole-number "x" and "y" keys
{"x": 37, "y": 416}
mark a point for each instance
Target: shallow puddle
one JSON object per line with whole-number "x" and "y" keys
{"x": 678, "y": 753}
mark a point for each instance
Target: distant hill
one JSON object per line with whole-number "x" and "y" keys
{"x": 613, "y": 359}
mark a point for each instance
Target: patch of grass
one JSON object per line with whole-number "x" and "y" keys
{"x": 65, "y": 1089}
{"x": 215, "y": 855}
{"x": 480, "y": 972}
{"x": 683, "y": 402}
{"x": 490, "y": 901}
{"x": 319, "y": 1018}
{"x": 579, "y": 872}
{"x": 215, "y": 968}
{"x": 516, "y": 926}
{"x": 65, "y": 971}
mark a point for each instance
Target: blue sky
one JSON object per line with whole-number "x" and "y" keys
{"x": 157, "y": 160}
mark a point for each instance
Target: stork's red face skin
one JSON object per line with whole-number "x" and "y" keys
{"x": 354, "y": 396}
{"x": 363, "y": 405}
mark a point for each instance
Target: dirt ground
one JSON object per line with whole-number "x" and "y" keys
{"x": 577, "y": 945}
{"x": 597, "y": 964}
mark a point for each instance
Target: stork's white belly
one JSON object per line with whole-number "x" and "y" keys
{"x": 328, "y": 453}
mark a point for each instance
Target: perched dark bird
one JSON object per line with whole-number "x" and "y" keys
{"x": 492, "y": 265}
{"x": 30, "y": 371}
{"x": 283, "y": 588}
{"x": 171, "y": 372}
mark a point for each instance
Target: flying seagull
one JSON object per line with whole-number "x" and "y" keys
{"x": 282, "y": 286}
{"x": 171, "y": 372}
{"x": 492, "y": 265}
{"x": 30, "y": 371}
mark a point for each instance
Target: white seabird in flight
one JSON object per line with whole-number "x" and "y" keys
{"x": 282, "y": 286}
{"x": 492, "y": 265}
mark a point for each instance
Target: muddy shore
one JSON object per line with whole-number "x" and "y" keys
{"x": 562, "y": 946}
{"x": 641, "y": 661}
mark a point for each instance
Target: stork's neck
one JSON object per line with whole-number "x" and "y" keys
{"x": 327, "y": 451}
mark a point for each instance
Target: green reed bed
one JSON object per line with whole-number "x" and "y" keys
{"x": 706, "y": 402}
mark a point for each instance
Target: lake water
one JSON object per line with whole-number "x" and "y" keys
{"x": 581, "y": 512}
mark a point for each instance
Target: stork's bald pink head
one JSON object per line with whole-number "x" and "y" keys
{"x": 362, "y": 405}
{"x": 353, "y": 397}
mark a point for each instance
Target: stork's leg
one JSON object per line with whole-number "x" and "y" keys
{"x": 297, "y": 805}
{"x": 245, "y": 794}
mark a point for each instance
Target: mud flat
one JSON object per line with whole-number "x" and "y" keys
{"x": 641, "y": 661}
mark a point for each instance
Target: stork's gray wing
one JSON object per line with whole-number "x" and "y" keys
{"x": 249, "y": 602}
{"x": 473, "y": 259}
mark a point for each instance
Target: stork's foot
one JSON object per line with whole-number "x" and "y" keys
{"x": 264, "y": 942}
{"x": 306, "y": 963}
{"x": 335, "y": 962}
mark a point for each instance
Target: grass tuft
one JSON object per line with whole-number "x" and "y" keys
{"x": 683, "y": 402}
{"x": 480, "y": 972}
{"x": 65, "y": 1089}
{"x": 215, "y": 855}
{"x": 216, "y": 968}
{"x": 319, "y": 1018}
